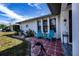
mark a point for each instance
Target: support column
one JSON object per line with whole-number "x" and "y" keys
{"x": 75, "y": 28}
{"x": 57, "y": 27}
{"x": 48, "y": 24}
{"x": 11, "y": 27}
{"x": 42, "y": 25}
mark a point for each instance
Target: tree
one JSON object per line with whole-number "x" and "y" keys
{"x": 2, "y": 26}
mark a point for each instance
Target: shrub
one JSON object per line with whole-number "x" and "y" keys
{"x": 30, "y": 33}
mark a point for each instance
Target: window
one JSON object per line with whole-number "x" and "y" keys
{"x": 53, "y": 24}
{"x": 26, "y": 26}
{"x": 39, "y": 25}
{"x": 45, "y": 26}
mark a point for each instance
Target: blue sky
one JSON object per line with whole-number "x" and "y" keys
{"x": 22, "y": 11}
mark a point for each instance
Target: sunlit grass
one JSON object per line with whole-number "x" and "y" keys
{"x": 6, "y": 33}
{"x": 7, "y": 42}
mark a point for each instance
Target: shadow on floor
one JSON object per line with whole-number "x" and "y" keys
{"x": 67, "y": 48}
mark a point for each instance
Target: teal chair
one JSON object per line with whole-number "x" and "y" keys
{"x": 45, "y": 36}
{"x": 39, "y": 34}
{"x": 51, "y": 35}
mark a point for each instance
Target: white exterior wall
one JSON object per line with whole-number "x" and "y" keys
{"x": 64, "y": 15}
{"x": 75, "y": 28}
{"x": 31, "y": 25}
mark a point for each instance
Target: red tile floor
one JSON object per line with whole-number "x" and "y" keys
{"x": 53, "y": 48}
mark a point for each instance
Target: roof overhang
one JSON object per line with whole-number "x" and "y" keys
{"x": 55, "y": 8}
{"x": 41, "y": 17}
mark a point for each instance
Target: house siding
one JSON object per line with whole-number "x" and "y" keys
{"x": 31, "y": 25}
{"x": 64, "y": 15}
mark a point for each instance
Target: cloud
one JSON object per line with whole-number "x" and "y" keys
{"x": 40, "y": 12}
{"x": 10, "y": 13}
{"x": 5, "y": 15}
{"x": 37, "y": 5}
{"x": 4, "y": 22}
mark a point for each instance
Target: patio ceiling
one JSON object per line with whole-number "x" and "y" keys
{"x": 55, "y": 8}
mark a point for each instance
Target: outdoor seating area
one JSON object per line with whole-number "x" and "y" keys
{"x": 50, "y": 36}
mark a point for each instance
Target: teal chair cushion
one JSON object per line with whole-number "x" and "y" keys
{"x": 45, "y": 36}
{"x": 50, "y": 34}
{"x": 39, "y": 34}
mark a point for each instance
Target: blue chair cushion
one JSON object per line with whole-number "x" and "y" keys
{"x": 39, "y": 34}
{"x": 50, "y": 34}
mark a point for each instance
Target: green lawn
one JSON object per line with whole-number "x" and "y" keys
{"x": 12, "y": 46}
{"x": 7, "y": 33}
{"x": 7, "y": 42}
